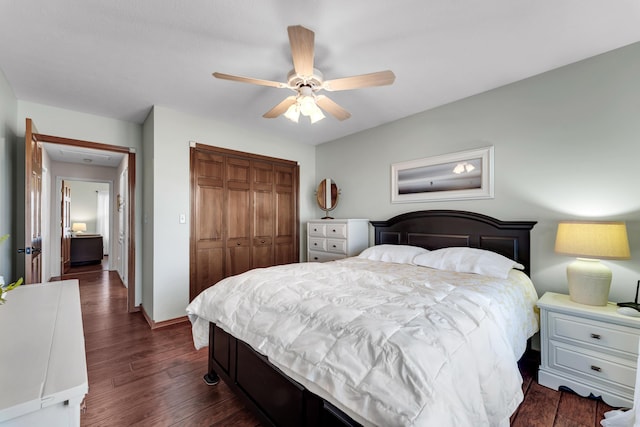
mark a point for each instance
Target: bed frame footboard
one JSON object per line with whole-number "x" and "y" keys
{"x": 276, "y": 399}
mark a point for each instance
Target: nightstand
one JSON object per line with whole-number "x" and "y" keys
{"x": 592, "y": 350}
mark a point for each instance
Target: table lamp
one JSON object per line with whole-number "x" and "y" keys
{"x": 79, "y": 227}
{"x": 589, "y": 279}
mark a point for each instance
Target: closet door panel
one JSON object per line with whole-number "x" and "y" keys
{"x": 285, "y": 235}
{"x": 238, "y": 212}
{"x": 207, "y": 257}
{"x": 262, "y": 186}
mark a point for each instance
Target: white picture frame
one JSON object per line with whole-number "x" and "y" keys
{"x": 456, "y": 176}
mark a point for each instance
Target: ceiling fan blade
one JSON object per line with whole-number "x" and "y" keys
{"x": 249, "y": 80}
{"x": 381, "y": 78}
{"x": 280, "y": 108}
{"x": 302, "y": 42}
{"x": 332, "y": 108}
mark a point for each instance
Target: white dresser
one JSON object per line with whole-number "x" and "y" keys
{"x": 331, "y": 239}
{"x": 43, "y": 376}
{"x": 590, "y": 349}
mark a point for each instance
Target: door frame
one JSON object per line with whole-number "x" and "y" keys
{"x": 129, "y": 203}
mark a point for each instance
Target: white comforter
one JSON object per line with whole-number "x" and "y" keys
{"x": 389, "y": 344}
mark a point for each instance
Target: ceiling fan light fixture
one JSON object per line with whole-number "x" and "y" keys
{"x": 307, "y": 105}
{"x": 316, "y": 116}
{"x": 306, "y": 80}
{"x": 293, "y": 113}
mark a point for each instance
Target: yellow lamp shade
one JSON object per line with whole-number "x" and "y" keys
{"x": 79, "y": 227}
{"x": 601, "y": 240}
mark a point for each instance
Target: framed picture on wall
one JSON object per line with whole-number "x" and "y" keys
{"x": 455, "y": 176}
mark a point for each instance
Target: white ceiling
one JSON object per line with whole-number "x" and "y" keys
{"x": 88, "y": 156}
{"x": 117, "y": 58}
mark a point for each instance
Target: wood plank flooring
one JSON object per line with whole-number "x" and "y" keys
{"x": 144, "y": 377}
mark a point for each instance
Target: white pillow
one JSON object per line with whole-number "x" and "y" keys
{"x": 401, "y": 254}
{"x": 468, "y": 260}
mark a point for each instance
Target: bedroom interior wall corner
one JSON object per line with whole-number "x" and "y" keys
{"x": 147, "y": 210}
{"x": 173, "y": 132}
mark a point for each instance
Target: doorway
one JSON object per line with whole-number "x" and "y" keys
{"x": 87, "y": 226}
{"x": 77, "y": 152}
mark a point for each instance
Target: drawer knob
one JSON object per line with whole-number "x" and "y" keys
{"x": 596, "y": 368}
{"x": 595, "y": 336}
{"x": 334, "y": 246}
{"x": 334, "y": 230}
{"x": 315, "y": 244}
{"x": 315, "y": 257}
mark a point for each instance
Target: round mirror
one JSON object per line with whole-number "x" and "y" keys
{"x": 327, "y": 196}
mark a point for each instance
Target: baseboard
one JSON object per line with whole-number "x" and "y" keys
{"x": 164, "y": 323}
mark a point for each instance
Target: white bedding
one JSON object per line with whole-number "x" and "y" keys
{"x": 390, "y": 344}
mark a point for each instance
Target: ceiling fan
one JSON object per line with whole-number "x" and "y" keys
{"x": 306, "y": 82}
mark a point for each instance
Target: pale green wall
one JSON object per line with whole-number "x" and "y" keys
{"x": 146, "y": 188}
{"x": 8, "y": 111}
{"x": 567, "y": 145}
{"x": 173, "y": 132}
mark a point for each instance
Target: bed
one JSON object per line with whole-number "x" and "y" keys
{"x": 376, "y": 339}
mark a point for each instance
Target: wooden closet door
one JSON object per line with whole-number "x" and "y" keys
{"x": 263, "y": 218}
{"x": 286, "y": 241}
{"x": 238, "y": 214}
{"x": 208, "y": 221}
{"x": 244, "y": 214}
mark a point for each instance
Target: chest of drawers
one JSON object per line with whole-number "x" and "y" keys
{"x": 590, "y": 349}
{"x": 331, "y": 239}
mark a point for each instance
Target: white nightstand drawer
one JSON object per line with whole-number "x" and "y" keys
{"x": 589, "y": 366}
{"x": 337, "y": 230}
{"x": 337, "y": 246}
{"x": 323, "y": 256}
{"x": 317, "y": 244}
{"x": 315, "y": 229}
{"x": 594, "y": 333}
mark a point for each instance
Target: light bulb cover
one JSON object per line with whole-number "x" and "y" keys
{"x": 293, "y": 113}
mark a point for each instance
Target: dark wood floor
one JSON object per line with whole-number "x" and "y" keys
{"x": 89, "y": 267}
{"x": 144, "y": 377}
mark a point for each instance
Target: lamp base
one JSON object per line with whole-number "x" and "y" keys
{"x": 589, "y": 282}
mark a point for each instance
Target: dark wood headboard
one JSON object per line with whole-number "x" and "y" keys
{"x": 437, "y": 229}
